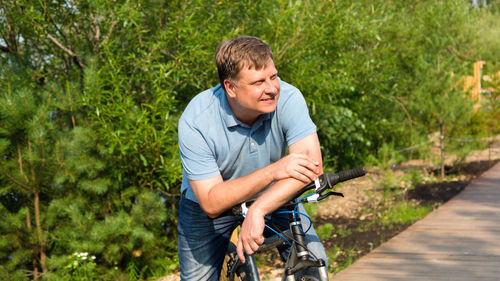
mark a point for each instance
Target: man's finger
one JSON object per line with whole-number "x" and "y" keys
{"x": 248, "y": 249}
{"x": 310, "y": 174}
{"x": 239, "y": 251}
{"x": 301, "y": 177}
{"x": 311, "y": 165}
{"x": 255, "y": 244}
{"x": 260, "y": 240}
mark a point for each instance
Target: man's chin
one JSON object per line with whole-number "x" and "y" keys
{"x": 268, "y": 109}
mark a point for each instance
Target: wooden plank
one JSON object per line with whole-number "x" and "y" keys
{"x": 429, "y": 266}
{"x": 458, "y": 241}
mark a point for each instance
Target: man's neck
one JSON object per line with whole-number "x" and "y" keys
{"x": 241, "y": 114}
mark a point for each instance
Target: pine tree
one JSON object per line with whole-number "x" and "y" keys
{"x": 32, "y": 126}
{"x": 83, "y": 164}
{"x": 58, "y": 196}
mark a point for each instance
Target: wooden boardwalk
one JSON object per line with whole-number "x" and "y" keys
{"x": 458, "y": 241}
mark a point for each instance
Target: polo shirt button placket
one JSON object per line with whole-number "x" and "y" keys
{"x": 253, "y": 146}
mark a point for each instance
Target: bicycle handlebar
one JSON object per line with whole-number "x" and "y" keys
{"x": 327, "y": 181}
{"x": 324, "y": 182}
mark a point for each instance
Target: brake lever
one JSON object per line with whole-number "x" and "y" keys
{"x": 324, "y": 185}
{"x": 321, "y": 197}
{"x": 321, "y": 184}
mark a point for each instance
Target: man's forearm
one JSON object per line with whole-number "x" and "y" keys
{"x": 284, "y": 190}
{"x": 250, "y": 236}
{"x": 279, "y": 194}
{"x": 215, "y": 195}
{"x": 227, "y": 194}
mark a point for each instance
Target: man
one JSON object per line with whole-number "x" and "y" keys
{"x": 232, "y": 141}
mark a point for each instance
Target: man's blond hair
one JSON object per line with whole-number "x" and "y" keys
{"x": 231, "y": 56}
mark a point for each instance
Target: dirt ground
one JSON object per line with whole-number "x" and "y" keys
{"x": 356, "y": 192}
{"x": 364, "y": 194}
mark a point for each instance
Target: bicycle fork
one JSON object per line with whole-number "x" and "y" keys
{"x": 298, "y": 258}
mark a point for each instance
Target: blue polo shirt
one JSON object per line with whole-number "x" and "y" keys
{"x": 212, "y": 141}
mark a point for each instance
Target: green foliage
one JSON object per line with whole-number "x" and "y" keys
{"x": 401, "y": 213}
{"x": 80, "y": 266}
{"x": 389, "y": 180}
{"x": 344, "y": 232}
{"x": 487, "y": 45}
{"x": 385, "y": 158}
{"x": 324, "y": 231}
{"x": 92, "y": 91}
{"x": 416, "y": 177}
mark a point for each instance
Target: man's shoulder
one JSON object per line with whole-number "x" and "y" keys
{"x": 288, "y": 88}
{"x": 289, "y": 94}
{"x": 202, "y": 105}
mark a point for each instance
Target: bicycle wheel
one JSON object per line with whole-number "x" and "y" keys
{"x": 224, "y": 276}
{"x": 228, "y": 272}
{"x": 307, "y": 278}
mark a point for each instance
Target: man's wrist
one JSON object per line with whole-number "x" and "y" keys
{"x": 271, "y": 169}
{"x": 256, "y": 210}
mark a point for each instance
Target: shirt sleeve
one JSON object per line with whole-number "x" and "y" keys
{"x": 197, "y": 158}
{"x": 295, "y": 119}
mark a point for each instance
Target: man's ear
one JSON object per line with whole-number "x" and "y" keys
{"x": 229, "y": 86}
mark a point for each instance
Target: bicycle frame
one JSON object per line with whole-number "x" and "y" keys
{"x": 300, "y": 257}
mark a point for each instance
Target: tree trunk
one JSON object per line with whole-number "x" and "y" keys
{"x": 28, "y": 226}
{"x": 41, "y": 240}
{"x": 441, "y": 141}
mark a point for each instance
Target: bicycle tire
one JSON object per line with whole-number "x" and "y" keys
{"x": 241, "y": 273}
{"x": 307, "y": 278}
{"x": 225, "y": 268}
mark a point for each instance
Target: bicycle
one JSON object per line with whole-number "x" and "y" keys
{"x": 299, "y": 258}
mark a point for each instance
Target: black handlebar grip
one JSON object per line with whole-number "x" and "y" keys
{"x": 346, "y": 175}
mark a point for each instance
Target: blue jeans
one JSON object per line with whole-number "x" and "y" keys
{"x": 203, "y": 242}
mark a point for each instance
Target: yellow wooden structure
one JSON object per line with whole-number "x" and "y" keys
{"x": 473, "y": 84}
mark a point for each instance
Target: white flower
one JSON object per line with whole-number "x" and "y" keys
{"x": 93, "y": 257}
{"x": 84, "y": 258}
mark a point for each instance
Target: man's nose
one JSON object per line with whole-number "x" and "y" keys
{"x": 271, "y": 87}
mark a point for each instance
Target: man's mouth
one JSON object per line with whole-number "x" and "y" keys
{"x": 270, "y": 97}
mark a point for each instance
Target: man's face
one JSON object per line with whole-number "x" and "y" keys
{"x": 254, "y": 92}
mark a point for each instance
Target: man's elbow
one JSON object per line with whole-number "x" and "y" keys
{"x": 211, "y": 211}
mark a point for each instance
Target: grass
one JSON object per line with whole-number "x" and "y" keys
{"x": 324, "y": 231}
{"x": 403, "y": 214}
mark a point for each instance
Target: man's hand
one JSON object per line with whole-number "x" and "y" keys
{"x": 250, "y": 237}
{"x": 298, "y": 166}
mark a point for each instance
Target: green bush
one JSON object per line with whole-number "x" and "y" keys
{"x": 92, "y": 91}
